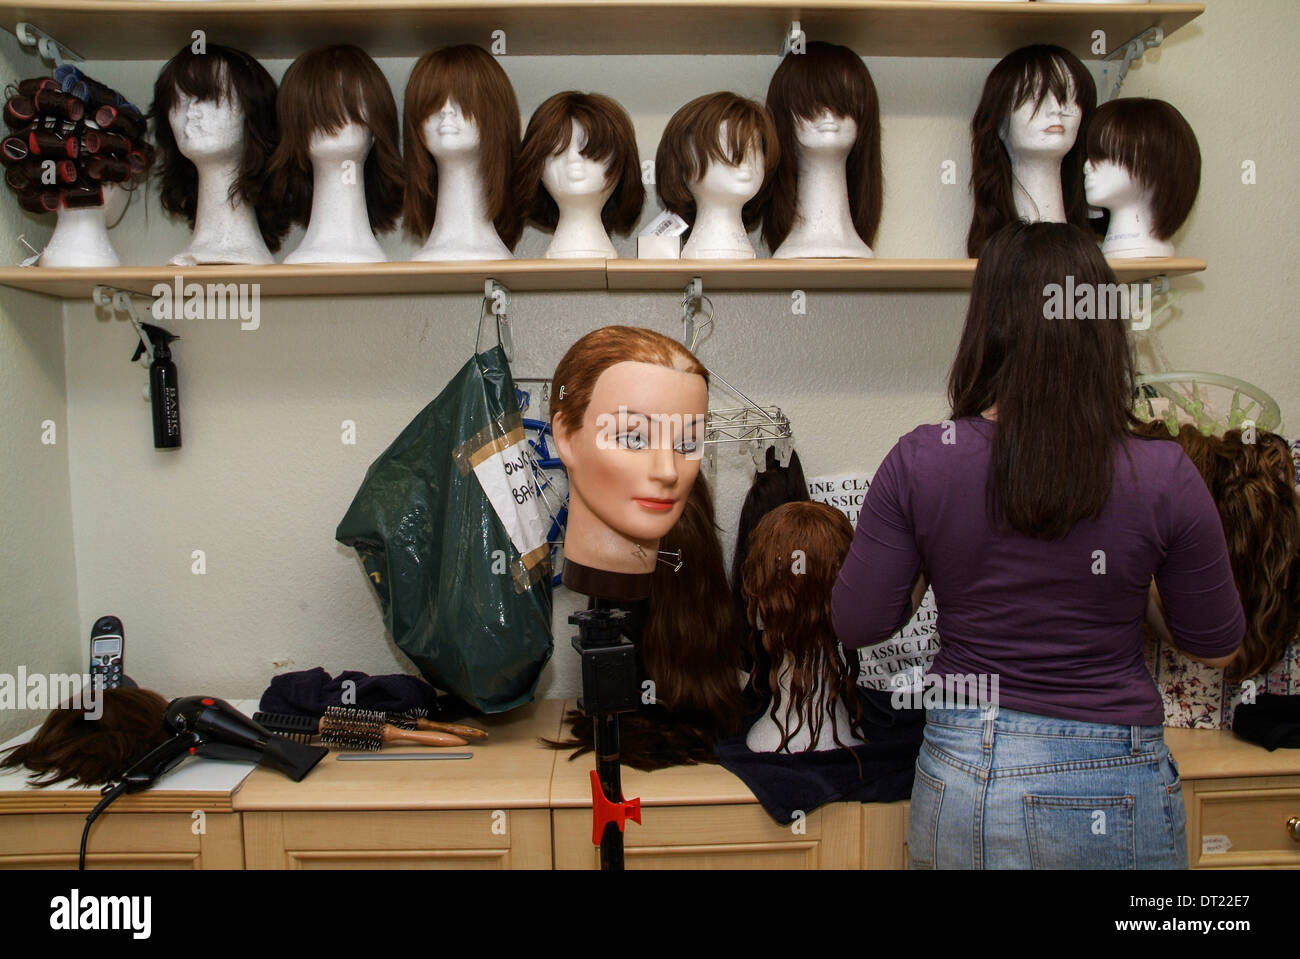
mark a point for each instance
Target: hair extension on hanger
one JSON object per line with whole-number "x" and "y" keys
{"x": 322, "y": 92}
{"x": 92, "y": 752}
{"x": 689, "y": 648}
{"x": 777, "y": 484}
{"x": 1252, "y": 486}
{"x": 1030, "y": 73}
{"x": 791, "y": 597}
{"x": 611, "y": 141}
{"x": 1155, "y": 144}
{"x": 220, "y": 74}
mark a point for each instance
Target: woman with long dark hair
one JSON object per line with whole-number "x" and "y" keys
{"x": 1041, "y": 521}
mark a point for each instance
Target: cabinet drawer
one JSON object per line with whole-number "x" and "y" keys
{"x": 1242, "y": 823}
{"x": 122, "y": 841}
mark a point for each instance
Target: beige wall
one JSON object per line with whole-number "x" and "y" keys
{"x": 263, "y": 478}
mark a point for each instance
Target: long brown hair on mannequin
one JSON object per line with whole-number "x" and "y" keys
{"x": 795, "y": 555}
{"x": 1028, "y": 73}
{"x": 1155, "y": 144}
{"x": 322, "y": 92}
{"x": 92, "y": 752}
{"x": 691, "y": 141}
{"x": 218, "y": 73}
{"x": 1253, "y": 486}
{"x": 611, "y": 140}
{"x": 826, "y": 76}
{"x": 689, "y": 648}
{"x": 472, "y": 77}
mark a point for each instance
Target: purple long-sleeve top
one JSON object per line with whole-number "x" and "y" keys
{"x": 1059, "y": 622}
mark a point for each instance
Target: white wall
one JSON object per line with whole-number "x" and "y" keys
{"x": 263, "y": 477}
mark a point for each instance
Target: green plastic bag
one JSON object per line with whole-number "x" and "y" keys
{"x": 449, "y": 531}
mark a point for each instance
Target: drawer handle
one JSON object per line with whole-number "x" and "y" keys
{"x": 1293, "y": 827}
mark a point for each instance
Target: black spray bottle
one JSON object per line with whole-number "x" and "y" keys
{"x": 164, "y": 390}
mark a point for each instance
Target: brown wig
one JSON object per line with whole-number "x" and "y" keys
{"x": 1063, "y": 387}
{"x": 322, "y": 92}
{"x": 1028, "y": 73}
{"x": 691, "y": 141}
{"x": 579, "y": 369}
{"x": 611, "y": 141}
{"x": 825, "y": 77}
{"x": 1252, "y": 486}
{"x": 1152, "y": 141}
{"x": 794, "y": 559}
{"x": 689, "y": 646}
{"x": 219, "y": 73}
{"x": 472, "y": 77}
{"x": 92, "y": 752}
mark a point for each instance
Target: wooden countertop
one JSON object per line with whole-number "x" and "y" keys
{"x": 1220, "y": 754}
{"x": 509, "y": 770}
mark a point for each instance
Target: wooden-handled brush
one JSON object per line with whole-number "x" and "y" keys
{"x": 351, "y": 729}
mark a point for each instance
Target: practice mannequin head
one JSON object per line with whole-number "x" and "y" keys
{"x": 210, "y": 105}
{"x": 481, "y": 118}
{"x": 1150, "y": 142}
{"x": 627, "y": 413}
{"x": 334, "y": 100}
{"x": 827, "y": 82}
{"x": 592, "y": 127}
{"x": 704, "y": 144}
{"x": 795, "y": 555}
{"x": 1037, "y": 101}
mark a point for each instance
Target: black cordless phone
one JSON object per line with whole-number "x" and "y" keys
{"x": 106, "y": 652}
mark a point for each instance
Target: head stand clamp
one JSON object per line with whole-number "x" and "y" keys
{"x": 609, "y": 687}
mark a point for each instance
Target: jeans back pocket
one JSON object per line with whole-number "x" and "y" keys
{"x": 1081, "y": 832}
{"x": 923, "y": 820}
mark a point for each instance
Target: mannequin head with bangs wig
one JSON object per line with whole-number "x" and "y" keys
{"x": 1029, "y": 76}
{"x": 610, "y": 142}
{"x": 720, "y": 128}
{"x": 830, "y": 78}
{"x": 323, "y": 92}
{"x": 471, "y": 78}
{"x": 220, "y": 75}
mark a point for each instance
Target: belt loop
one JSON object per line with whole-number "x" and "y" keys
{"x": 1135, "y": 732}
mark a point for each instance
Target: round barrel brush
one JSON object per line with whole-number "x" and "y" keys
{"x": 342, "y": 728}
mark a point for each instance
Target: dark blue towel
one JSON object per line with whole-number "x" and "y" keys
{"x": 308, "y": 692}
{"x": 786, "y": 782}
{"x": 1271, "y": 721}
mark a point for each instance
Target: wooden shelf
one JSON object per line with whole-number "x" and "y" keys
{"x": 372, "y": 279}
{"x": 156, "y": 29}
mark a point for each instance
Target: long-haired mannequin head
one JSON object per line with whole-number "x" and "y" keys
{"x": 1150, "y": 143}
{"x": 1052, "y": 448}
{"x": 1025, "y": 85}
{"x": 827, "y": 79}
{"x": 322, "y": 93}
{"x": 794, "y": 558}
{"x": 716, "y": 129}
{"x": 610, "y": 145}
{"x": 239, "y": 92}
{"x": 471, "y": 78}
{"x": 627, "y": 410}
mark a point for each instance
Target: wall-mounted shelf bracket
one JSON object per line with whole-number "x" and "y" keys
{"x": 795, "y": 39}
{"x": 46, "y": 45}
{"x": 1115, "y": 66}
{"x": 123, "y": 301}
{"x": 497, "y": 298}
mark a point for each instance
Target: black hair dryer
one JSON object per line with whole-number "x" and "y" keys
{"x": 204, "y": 726}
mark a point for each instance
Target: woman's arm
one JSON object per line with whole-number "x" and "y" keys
{"x": 881, "y": 583}
{"x": 1156, "y": 620}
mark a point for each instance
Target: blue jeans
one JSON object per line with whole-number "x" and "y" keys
{"x": 1021, "y": 791}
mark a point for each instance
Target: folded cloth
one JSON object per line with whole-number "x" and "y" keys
{"x": 788, "y": 782}
{"x": 309, "y": 691}
{"x": 1270, "y": 721}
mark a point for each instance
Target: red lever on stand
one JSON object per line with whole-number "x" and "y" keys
{"x": 604, "y": 812}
